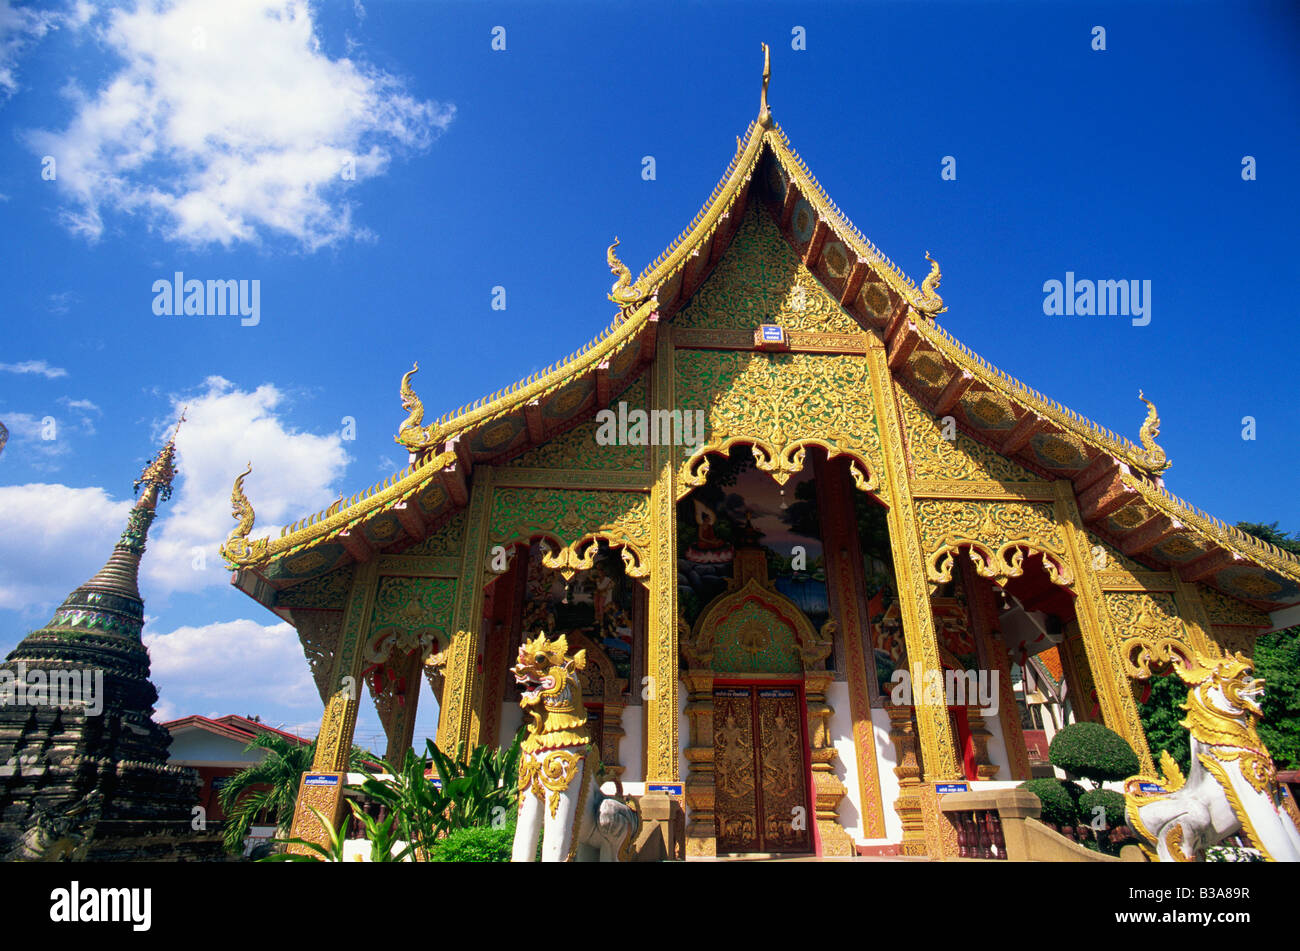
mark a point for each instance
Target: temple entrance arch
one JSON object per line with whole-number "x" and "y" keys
{"x": 754, "y": 655}
{"x": 756, "y": 637}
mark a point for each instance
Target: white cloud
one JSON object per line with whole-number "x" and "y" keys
{"x": 20, "y": 27}
{"x": 34, "y": 366}
{"x": 61, "y": 302}
{"x": 54, "y": 538}
{"x": 227, "y": 122}
{"x": 36, "y": 440}
{"x": 293, "y": 475}
{"x": 229, "y": 667}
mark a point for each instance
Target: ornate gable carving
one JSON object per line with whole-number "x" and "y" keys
{"x": 959, "y": 458}
{"x": 760, "y": 280}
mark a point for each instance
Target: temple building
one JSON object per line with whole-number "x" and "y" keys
{"x": 773, "y": 492}
{"x": 85, "y": 772}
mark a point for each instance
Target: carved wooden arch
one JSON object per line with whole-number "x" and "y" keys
{"x": 394, "y": 657}
{"x": 996, "y": 534}
{"x": 600, "y": 669}
{"x": 812, "y": 648}
{"x": 580, "y": 554}
{"x": 999, "y": 564}
{"x": 780, "y": 463}
{"x": 808, "y": 646}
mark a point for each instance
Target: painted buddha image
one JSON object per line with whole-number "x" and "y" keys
{"x": 708, "y": 548}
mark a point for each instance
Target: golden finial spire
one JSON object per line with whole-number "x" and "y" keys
{"x": 765, "y": 114}
{"x": 160, "y": 471}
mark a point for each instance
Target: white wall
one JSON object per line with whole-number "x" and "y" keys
{"x": 846, "y": 766}
{"x": 200, "y": 746}
{"x": 886, "y": 760}
{"x": 631, "y": 749}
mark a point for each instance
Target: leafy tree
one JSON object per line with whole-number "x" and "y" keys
{"x": 1162, "y": 716}
{"x": 271, "y": 785}
{"x": 1059, "y": 807}
{"x": 1094, "y": 752}
{"x": 1272, "y": 535}
{"x": 1277, "y": 660}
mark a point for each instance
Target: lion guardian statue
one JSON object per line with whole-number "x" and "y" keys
{"x": 1232, "y": 787}
{"x": 559, "y": 795}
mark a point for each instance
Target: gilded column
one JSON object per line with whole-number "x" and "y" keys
{"x": 334, "y": 742}
{"x": 847, "y": 587}
{"x": 661, "y": 629}
{"x": 1119, "y": 708}
{"x": 458, "y": 721}
{"x": 938, "y": 752}
{"x": 979, "y": 598}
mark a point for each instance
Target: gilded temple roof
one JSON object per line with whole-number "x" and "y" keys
{"x": 1119, "y": 483}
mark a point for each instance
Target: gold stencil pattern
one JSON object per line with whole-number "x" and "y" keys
{"x": 960, "y": 458}
{"x": 998, "y": 536}
{"x": 760, "y": 280}
{"x": 781, "y": 404}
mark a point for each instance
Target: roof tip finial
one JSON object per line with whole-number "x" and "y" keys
{"x": 178, "y": 425}
{"x": 764, "y": 113}
{"x": 1152, "y": 456}
{"x": 158, "y": 473}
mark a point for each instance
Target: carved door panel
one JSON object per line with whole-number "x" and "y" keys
{"x": 760, "y": 774}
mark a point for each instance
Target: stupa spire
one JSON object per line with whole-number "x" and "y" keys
{"x": 120, "y": 573}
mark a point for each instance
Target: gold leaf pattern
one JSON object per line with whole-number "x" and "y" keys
{"x": 760, "y": 280}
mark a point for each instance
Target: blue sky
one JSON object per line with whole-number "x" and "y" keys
{"x": 210, "y": 139}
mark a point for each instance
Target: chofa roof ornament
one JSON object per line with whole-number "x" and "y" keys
{"x": 238, "y": 549}
{"x": 625, "y": 293}
{"x": 1152, "y": 456}
{"x": 930, "y": 303}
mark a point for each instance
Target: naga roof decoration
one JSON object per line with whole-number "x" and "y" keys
{"x": 1114, "y": 476}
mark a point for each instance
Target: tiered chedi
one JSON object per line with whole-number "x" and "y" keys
{"x": 91, "y": 780}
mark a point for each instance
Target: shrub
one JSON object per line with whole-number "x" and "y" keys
{"x": 476, "y": 844}
{"x": 1074, "y": 789}
{"x": 1094, "y": 752}
{"x": 1058, "y": 806}
{"x": 1109, "y": 800}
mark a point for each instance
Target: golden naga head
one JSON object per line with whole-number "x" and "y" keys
{"x": 543, "y": 668}
{"x": 1227, "y": 684}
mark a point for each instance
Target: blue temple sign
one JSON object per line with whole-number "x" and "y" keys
{"x": 672, "y": 789}
{"x": 1151, "y": 787}
{"x": 942, "y": 788}
{"x": 323, "y": 779}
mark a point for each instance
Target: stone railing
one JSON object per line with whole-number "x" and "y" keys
{"x": 662, "y": 836}
{"x": 1003, "y": 824}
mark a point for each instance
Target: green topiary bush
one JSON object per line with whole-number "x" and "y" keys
{"x": 475, "y": 844}
{"x": 1058, "y": 805}
{"x": 1109, "y": 800}
{"x": 1094, "y": 752}
{"x": 1074, "y": 789}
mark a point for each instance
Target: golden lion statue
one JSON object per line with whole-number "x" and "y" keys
{"x": 1233, "y": 785}
{"x": 559, "y": 795}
